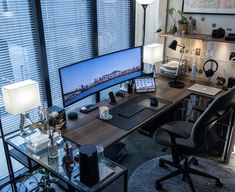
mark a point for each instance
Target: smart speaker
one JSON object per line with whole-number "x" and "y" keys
{"x": 89, "y": 169}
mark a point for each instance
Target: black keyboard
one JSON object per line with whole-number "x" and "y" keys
{"x": 131, "y": 111}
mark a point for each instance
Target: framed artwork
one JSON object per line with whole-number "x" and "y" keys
{"x": 217, "y": 7}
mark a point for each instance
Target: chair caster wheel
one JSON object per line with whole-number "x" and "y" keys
{"x": 218, "y": 183}
{"x": 161, "y": 163}
{"x": 158, "y": 186}
{"x": 195, "y": 162}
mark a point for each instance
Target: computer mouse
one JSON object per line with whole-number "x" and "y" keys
{"x": 153, "y": 101}
{"x": 84, "y": 108}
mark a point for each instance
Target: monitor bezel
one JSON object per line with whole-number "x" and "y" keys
{"x": 77, "y": 63}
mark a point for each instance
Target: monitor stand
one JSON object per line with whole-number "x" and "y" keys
{"x": 88, "y": 108}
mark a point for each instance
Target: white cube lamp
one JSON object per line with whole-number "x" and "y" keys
{"x": 21, "y": 97}
{"x": 153, "y": 53}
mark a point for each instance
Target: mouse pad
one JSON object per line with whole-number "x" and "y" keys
{"x": 128, "y": 123}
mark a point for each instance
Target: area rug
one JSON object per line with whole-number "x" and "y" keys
{"x": 144, "y": 177}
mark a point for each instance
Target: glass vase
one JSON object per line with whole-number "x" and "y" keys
{"x": 52, "y": 149}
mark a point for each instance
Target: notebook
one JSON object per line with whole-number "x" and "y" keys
{"x": 204, "y": 89}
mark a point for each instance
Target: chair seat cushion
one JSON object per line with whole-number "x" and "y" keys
{"x": 163, "y": 138}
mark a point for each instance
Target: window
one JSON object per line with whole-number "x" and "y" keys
{"x": 67, "y": 28}
{"x": 114, "y": 29}
{"x": 18, "y": 57}
{"x": 18, "y": 52}
{"x": 114, "y": 18}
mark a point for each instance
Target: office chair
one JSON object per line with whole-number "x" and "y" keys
{"x": 185, "y": 139}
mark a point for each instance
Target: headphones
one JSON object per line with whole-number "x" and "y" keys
{"x": 210, "y": 72}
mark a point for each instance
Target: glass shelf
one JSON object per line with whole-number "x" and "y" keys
{"x": 108, "y": 170}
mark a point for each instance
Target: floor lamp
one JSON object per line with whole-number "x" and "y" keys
{"x": 144, "y": 4}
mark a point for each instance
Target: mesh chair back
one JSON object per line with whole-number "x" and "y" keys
{"x": 204, "y": 133}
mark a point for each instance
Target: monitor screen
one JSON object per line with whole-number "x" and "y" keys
{"x": 145, "y": 85}
{"x": 85, "y": 78}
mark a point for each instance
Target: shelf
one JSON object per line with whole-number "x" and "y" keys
{"x": 221, "y": 40}
{"x": 186, "y": 36}
{"x": 203, "y": 37}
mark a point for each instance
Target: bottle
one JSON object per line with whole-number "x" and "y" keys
{"x": 193, "y": 72}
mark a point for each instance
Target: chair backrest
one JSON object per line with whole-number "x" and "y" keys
{"x": 204, "y": 133}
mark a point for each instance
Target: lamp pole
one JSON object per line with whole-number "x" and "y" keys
{"x": 144, "y": 22}
{"x": 144, "y": 4}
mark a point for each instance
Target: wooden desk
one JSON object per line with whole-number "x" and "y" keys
{"x": 89, "y": 130}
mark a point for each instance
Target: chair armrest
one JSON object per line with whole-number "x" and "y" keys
{"x": 171, "y": 130}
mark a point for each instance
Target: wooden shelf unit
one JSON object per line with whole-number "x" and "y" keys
{"x": 203, "y": 37}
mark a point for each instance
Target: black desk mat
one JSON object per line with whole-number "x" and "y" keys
{"x": 129, "y": 123}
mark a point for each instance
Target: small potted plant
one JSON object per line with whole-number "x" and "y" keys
{"x": 183, "y": 22}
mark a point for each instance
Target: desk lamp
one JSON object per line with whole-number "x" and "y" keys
{"x": 144, "y": 4}
{"x": 153, "y": 53}
{"x": 175, "y": 83}
{"x": 19, "y": 98}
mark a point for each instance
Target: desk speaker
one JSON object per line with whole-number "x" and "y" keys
{"x": 89, "y": 169}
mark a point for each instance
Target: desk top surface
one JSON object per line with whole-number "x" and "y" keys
{"x": 87, "y": 129}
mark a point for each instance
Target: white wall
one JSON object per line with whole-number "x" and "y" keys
{"x": 222, "y": 50}
{"x": 224, "y": 21}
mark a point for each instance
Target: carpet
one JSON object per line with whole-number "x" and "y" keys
{"x": 144, "y": 177}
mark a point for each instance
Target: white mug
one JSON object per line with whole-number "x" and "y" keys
{"x": 104, "y": 112}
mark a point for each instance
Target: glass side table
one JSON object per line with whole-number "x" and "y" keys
{"x": 109, "y": 171}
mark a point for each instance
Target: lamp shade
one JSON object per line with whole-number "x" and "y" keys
{"x": 144, "y": 2}
{"x": 21, "y": 97}
{"x": 153, "y": 53}
{"x": 173, "y": 45}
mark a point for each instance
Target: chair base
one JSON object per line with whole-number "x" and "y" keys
{"x": 185, "y": 170}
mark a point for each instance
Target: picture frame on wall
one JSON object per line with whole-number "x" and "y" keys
{"x": 215, "y": 7}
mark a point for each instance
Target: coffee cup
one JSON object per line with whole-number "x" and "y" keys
{"x": 104, "y": 112}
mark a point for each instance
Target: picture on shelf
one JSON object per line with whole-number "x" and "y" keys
{"x": 209, "y": 7}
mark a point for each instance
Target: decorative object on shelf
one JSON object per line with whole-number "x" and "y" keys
{"x": 183, "y": 23}
{"x": 19, "y": 98}
{"x": 209, "y": 7}
{"x": 152, "y": 53}
{"x": 173, "y": 14}
{"x": 68, "y": 160}
{"x": 144, "y": 4}
{"x": 193, "y": 71}
{"x": 49, "y": 123}
{"x": 218, "y": 33}
{"x": 52, "y": 149}
{"x": 52, "y": 145}
{"x": 193, "y": 26}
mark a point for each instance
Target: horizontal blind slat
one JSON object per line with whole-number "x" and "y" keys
{"x": 18, "y": 54}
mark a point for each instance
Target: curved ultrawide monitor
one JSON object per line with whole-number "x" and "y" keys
{"x": 87, "y": 77}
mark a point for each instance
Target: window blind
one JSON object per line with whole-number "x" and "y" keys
{"x": 114, "y": 17}
{"x": 113, "y": 25}
{"x": 67, "y": 28}
{"x": 18, "y": 53}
